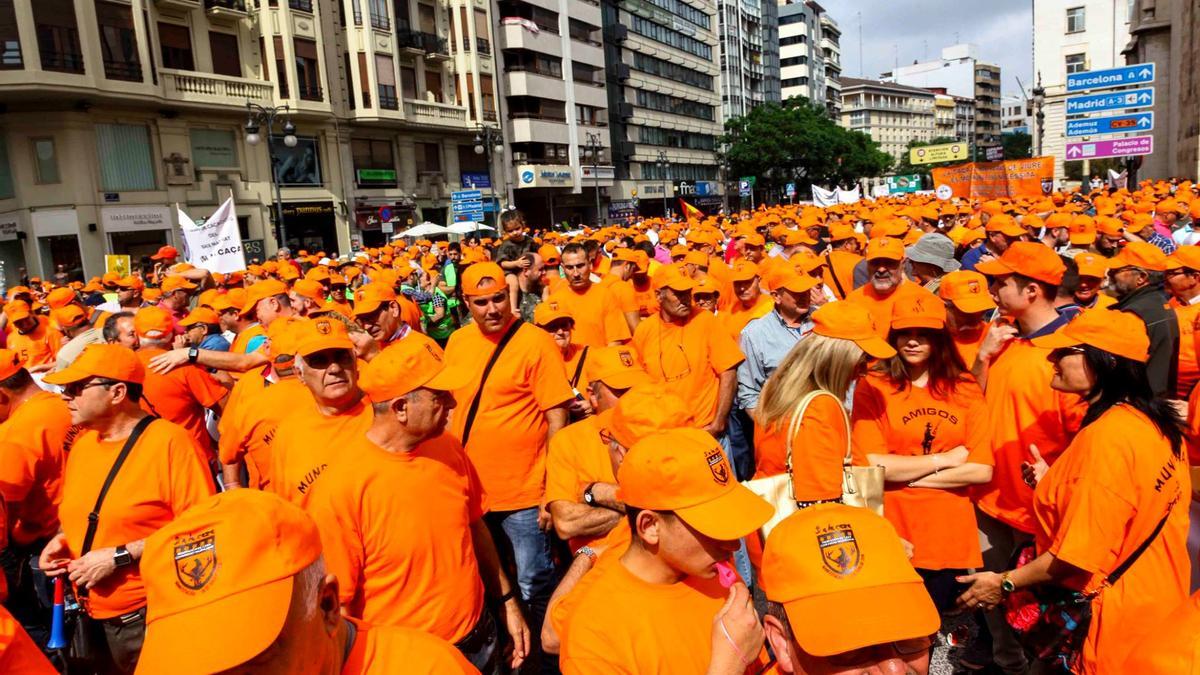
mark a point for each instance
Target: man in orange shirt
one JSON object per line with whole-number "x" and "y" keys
{"x": 432, "y": 573}
{"x": 686, "y": 512}
{"x": 599, "y": 321}
{"x": 243, "y": 570}
{"x": 1182, "y": 278}
{"x": 751, "y": 302}
{"x": 308, "y": 297}
{"x": 34, "y": 428}
{"x": 377, "y": 308}
{"x": 841, "y": 259}
{"x": 249, "y": 334}
{"x": 505, "y": 419}
{"x": 31, "y": 337}
{"x": 968, "y": 302}
{"x": 886, "y": 284}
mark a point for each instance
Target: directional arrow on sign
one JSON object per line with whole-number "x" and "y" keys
{"x": 1074, "y": 151}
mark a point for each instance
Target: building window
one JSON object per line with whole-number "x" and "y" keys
{"x": 671, "y": 71}
{"x": 429, "y": 157}
{"x": 10, "y": 38}
{"x": 373, "y": 165}
{"x": 126, "y": 157}
{"x": 379, "y": 14}
{"x": 427, "y": 18}
{"x": 433, "y": 84}
{"x": 300, "y": 165}
{"x": 58, "y": 35}
{"x": 488, "y": 93}
{"x": 45, "y": 161}
{"x": 385, "y": 72}
{"x": 364, "y": 80}
{"x": 1076, "y": 63}
{"x": 175, "y": 45}
{"x": 118, "y": 42}
{"x": 225, "y": 56}
{"x": 793, "y": 40}
{"x": 671, "y": 104}
{"x": 280, "y": 68}
{"x": 308, "y": 72}
{"x": 6, "y": 179}
{"x": 1075, "y": 20}
{"x": 789, "y": 19}
{"x": 670, "y": 37}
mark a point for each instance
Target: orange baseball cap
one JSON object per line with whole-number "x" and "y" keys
{"x": 60, "y": 297}
{"x": 841, "y": 231}
{"x": 967, "y": 290}
{"x": 706, "y": 286}
{"x": 744, "y": 270}
{"x": 408, "y": 365}
{"x": 549, "y": 254}
{"x": 754, "y": 239}
{"x": 921, "y": 309}
{"x": 851, "y": 321}
{"x": 885, "y": 247}
{"x": 282, "y": 336}
{"x": 17, "y": 310}
{"x": 828, "y": 561}
{"x": 314, "y": 335}
{"x": 205, "y": 299}
{"x": 1091, "y": 265}
{"x": 647, "y": 409}
{"x": 369, "y": 297}
{"x": 1185, "y": 256}
{"x": 69, "y": 316}
{"x": 309, "y": 288}
{"x": 261, "y": 290}
{"x": 1141, "y": 255}
{"x": 10, "y": 363}
{"x": 153, "y": 322}
{"x": 669, "y": 276}
{"x": 792, "y": 280}
{"x": 1006, "y": 225}
{"x": 1029, "y": 259}
{"x": 1110, "y": 227}
{"x": 111, "y": 362}
{"x": 473, "y": 277}
{"x": 805, "y": 261}
{"x": 1081, "y": 231}
{"x": 1115, "y": 332}
{"x": 686, "y": 471}
{"x": 200, "y": 315}
{"x": 131, "y": 282}
{"x": 152, "y": 295}
{"x": 616, "y": 367}
{"x": 171, "y": 284}
{"x": 697, "y": 258}
{"x": 548, "y": 312}
{"x": 165, "y": 253}
{"x": 317, "y": 273}
{"x": 223, "y": 573}
{"x": 234, "y": 298}
{"x": 796, "y": 237}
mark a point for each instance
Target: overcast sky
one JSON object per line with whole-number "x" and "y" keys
{"x": 901, "y": 31}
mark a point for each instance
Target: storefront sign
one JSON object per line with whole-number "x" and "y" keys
{"x": 475, "y": 180}
{"x": 8, "y": 227}
{"x": 376, "y": 176}
{"x": 135, "y": 218}
{"x": 293, "y": 209}
{"x": 253, "y": 249}
{"x": 544, "y": 175}
{"x": 213, "y": 148}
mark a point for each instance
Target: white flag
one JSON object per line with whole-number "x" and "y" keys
{"x": 216, "y": 245}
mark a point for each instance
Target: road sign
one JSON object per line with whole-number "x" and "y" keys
{"x": 744, "y": 187}
{"x": 749, "y": 179}
{"x": 1139, "y": 73}
{"x": 789, "y": 189}
{"x": 903, "y": 183}
{"x": 1117, "y": 124}
{"x": 946, "y": 152}
{"x": 1117, "y": 147}
{"x": 466, "y": 195}
{"x": 994, "y": 153}
{"x": 385, "y": 214}
{"x": 464, "y": 207}
{"x": 1113, "y": 100}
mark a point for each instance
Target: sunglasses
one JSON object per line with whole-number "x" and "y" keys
{"x": 907, "y": 649}
{"x": 327, "y": 357}
{"x": 75, "y": 389}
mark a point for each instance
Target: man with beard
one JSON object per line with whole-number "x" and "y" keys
{"x": 886, "y": 283}
{"x": 1110, "y": 236}
{"x": 598, "y": 318}
{"x": 31, "y": 337}
{"x": 1136, "y": 273}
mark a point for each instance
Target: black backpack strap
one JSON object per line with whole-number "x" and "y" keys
{"x": 833, "y": 275}
{"x": 579, "y": 368}
{"x": 94, "y": 516}
{"x": 487, "y": 370}
{"x": 1124, "y": 567}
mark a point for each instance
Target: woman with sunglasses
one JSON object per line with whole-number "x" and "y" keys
{"x": 1120, "y": 487}
{"x": 558, "y": 322}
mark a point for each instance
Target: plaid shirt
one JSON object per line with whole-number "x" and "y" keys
{"x": 1164, "y": 243}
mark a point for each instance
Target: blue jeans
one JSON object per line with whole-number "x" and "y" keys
{"x": 738, "y": 443}
{"x": 522, "y": 544}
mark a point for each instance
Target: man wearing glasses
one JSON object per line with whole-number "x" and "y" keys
{"x": 1137, "y": 280}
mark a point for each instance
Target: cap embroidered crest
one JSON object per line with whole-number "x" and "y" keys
{"x": 323, "y": 327}
{"x": 196, "y": 559}
{"x": 973, "y": 286}
{"x": 839, "y": 549}
{"x": 626, "y": 358}
{"x": 718, "y": 465}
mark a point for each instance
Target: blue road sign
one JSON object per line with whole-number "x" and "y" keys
{"x": 466, "y": 206}
{"x": 1113, "y": 100}
{"x": 1117, "y": 124}
{"x": 790, "y": 189}
{"x": 466, "y": 195}
{"x": 1139, "y": 73}
{"x": 744, "y": 188}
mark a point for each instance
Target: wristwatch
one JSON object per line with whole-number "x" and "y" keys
{"x": 122, "y": 557}
{"x": 193, "y": 354}
{"x": 588, "y": 497}
{"x": 1006, "y": 584}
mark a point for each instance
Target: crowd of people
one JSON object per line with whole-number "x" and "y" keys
{"x": 898, "y": 435}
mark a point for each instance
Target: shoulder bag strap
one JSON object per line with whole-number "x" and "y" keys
{"x": 487, "y": 370}
{"x": 833, "y": 275}
{"x": 793, "y": 428}
{"x": 1124, "y": 567}
{"x": 94, "y": 516}
{"x": 579, "y": 368}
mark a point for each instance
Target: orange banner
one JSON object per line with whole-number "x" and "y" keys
{"x": 997, "y": 180}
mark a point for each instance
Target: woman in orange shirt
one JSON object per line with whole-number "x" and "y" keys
{"x": 923, "y": 418}
{"x": 1121, "y": 486}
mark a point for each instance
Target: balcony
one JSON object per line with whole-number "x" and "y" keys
{"x": 301, "y": 5}
{"x": 429, "y": 113}
{"x": 187, "y": 5}
{"x": 482, "y": 45}
{"x": 62, "y": 61}
{"x": 380, "y": 22}
{"x": 388, "y": 101}
{"x": 208, "y": 89}
{"x": 310, "y": 92}
{"x": 432, "y": 46}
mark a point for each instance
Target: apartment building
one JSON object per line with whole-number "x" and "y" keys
{"x": 749, "y": 31}
{"x": 117, "y": 110}
{"x": 810, "y": 54}
{"x": 662, "y": 70}
{"x": 960, "y": 72}
{"x": 891, "y": 114}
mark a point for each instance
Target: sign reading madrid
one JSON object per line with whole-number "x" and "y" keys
{"x": 1119, "y": 100}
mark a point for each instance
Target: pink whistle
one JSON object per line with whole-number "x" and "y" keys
{"x": 726, "y": 575}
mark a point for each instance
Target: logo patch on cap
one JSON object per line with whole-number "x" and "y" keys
{"x": 626, "y": 358}
{"x": 973, "y": 286}
{"x": 196, "y": 559}
{"x": 839, "y": 549}
{"x": 718, "y": 465}
{"x": 323, "y": 327}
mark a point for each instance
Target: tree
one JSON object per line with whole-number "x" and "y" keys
{"x": 797, "y": 142}
{"x": 1018, "y": 145}
{"x": 904, "y": 167}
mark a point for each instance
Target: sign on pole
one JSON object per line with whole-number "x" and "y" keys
{"x": 789, "y": 189}
{"x": 1116, "y": 124}
{"x": 1113, "y": 100}
{"x": 903, "y": 183}
{"x": 1117, "y": 147}
{"x": 217, "y": 244}
{"x": 117, "y": 264}
{"x": 1139, "y": 73}
{"x": 467, "y": 205}
{"x": 946, "y": 152}
{"x": 744, "y": 188}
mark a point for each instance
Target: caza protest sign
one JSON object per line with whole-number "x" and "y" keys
{"x": 216, "y": 245}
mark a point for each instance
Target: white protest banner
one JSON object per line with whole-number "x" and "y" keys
{"x": 823, "y": 198}
{"x": 216, "y": 245}
{"x": 849, "y": 196}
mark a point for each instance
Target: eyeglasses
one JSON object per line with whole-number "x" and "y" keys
{"x": 327, "y": 357}
{"x": 907, "y": 649}
{"x": 75, "y": 389}
{"x": 674, "y": 374}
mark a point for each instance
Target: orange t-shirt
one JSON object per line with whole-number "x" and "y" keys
{"x": 605, "y": 626}
{"x": 738, "y": 316}
{"x": 31, "y": 465}
{"x": 1171, "y": 645}
{"x": 818, "y": 450}
{"x": 36, "y": 347}
{"x": 248, "y": 427}
{"x": 939, "y": 523}
{"x": 1098, "y": 503}
{"x": 508, "y": 440}
{"x": 968, "y": 345}
{"x": 647, "y": 301}
{"x": 688, "y": 359}
{"x": 422, "y": 574}
{"x": 839, "y": 272}
{"x": 241, "y": 341}
{"x": 577, "y": 458}
{"x": 597, "y": 313}
{"x": 623, "y": 295}
{"x": 1189, "y": 367}
{"x": 162, "y": 477}
{"x": 181, "y": 396}
{"x": 18, "y": 654}
{"x": 307, "y": 442}
{"x": 1023, "y": 410}
{"x": 879, "y": 306}
{"x": 571, "y": 364}
{"x": 380, "y": 650}
{"x": 410, "y": 313}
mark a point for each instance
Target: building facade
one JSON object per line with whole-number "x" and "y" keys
{"x": 1015, "y": 115}
{"x": 116, "y": 111}
{"x": 1164, "y": 32}
{"x": 891, "y": 114}
{"x": 749, "y": 55}
{"x": 810, "y": 54}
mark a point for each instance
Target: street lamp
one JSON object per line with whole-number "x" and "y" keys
{"x": 1039, "y": 99}
{"x": 260, "y": 116}
{"x": 592, "y": 150}
{"x": 723, "y": 165}
{"x": 664, "y": 165}
{"x": 490, "y": 142}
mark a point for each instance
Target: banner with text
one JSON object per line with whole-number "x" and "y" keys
{"x": 216, "y": 245}
{"x": 996, "y": 180}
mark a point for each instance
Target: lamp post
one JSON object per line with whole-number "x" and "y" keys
{"x": 664, "y": 165}
{"x": 592, "y": 150}
{"x": 260, "y": 116}
{"x": 490, "y": 142}
{"x": 723, "y": 165}
{"x": 1039, "y": 99}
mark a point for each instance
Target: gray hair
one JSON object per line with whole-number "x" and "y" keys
{"x": 308, "y": 587}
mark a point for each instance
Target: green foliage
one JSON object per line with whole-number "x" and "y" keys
{"x": 1017, "y": 145}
